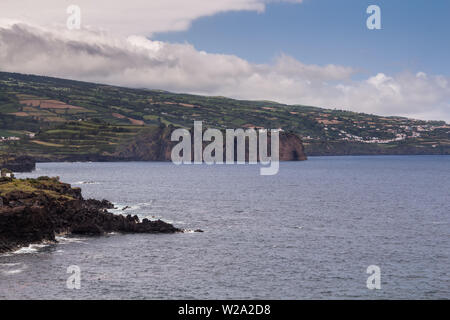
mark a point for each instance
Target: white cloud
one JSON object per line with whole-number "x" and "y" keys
{"x": 138, "y": 62}
{"x": 142, "y": 17}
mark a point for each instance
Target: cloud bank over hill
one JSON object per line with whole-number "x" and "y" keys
{"x": 142, "y": 17}
{"x": 120, "y": 58}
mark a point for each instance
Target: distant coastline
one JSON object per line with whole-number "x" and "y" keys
{"x": 55, "y": 119}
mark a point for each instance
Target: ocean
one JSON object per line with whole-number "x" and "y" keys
{"x": 309, "y": 232}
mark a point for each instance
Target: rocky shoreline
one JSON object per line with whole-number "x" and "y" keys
{"x": 36, "y": 210}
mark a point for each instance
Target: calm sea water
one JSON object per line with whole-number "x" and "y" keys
{"x": 309, "y": 232}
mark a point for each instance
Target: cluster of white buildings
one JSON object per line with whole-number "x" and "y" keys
{"x": 9, "y": 138}
{"x": 351, "y": 137}
{"x": 428, "y": 128}
{"x": 408, "y": 131}
{"x": 31, "y": 135}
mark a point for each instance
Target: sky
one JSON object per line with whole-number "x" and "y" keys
{"x": 414, "y": 35}
{"x": 310, "y": 52}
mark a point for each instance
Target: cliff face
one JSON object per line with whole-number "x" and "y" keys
{"x": 18, "y": 164}
{"x": 35, "y": 210}
{"x": 156, "y": 145}
{"x": 291, "y": 148}
{"x": 149, "y": 145}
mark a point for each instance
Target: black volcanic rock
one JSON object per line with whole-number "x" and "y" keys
{"x": 35, "y": 210}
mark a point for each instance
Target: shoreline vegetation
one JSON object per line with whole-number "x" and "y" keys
{"x": 37, "y": 210}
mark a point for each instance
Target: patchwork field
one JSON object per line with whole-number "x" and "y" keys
{"x": 57, "y": 117}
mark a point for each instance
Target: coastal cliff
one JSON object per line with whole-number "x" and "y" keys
{"x": 291, "y": 148}
{"x": 35, "y": 210}
{"x": 156, "y": 145}
{"x": 150, "y": 144}
{"x": 17, "y": 164}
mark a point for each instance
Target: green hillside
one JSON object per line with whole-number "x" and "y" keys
{"x": 53, "y": 118}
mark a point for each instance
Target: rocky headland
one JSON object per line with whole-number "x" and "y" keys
{"x": 156, "y": 145}
{"x": 36, "y": 210}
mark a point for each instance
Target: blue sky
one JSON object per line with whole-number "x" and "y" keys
{"x": 414, "y": 35}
